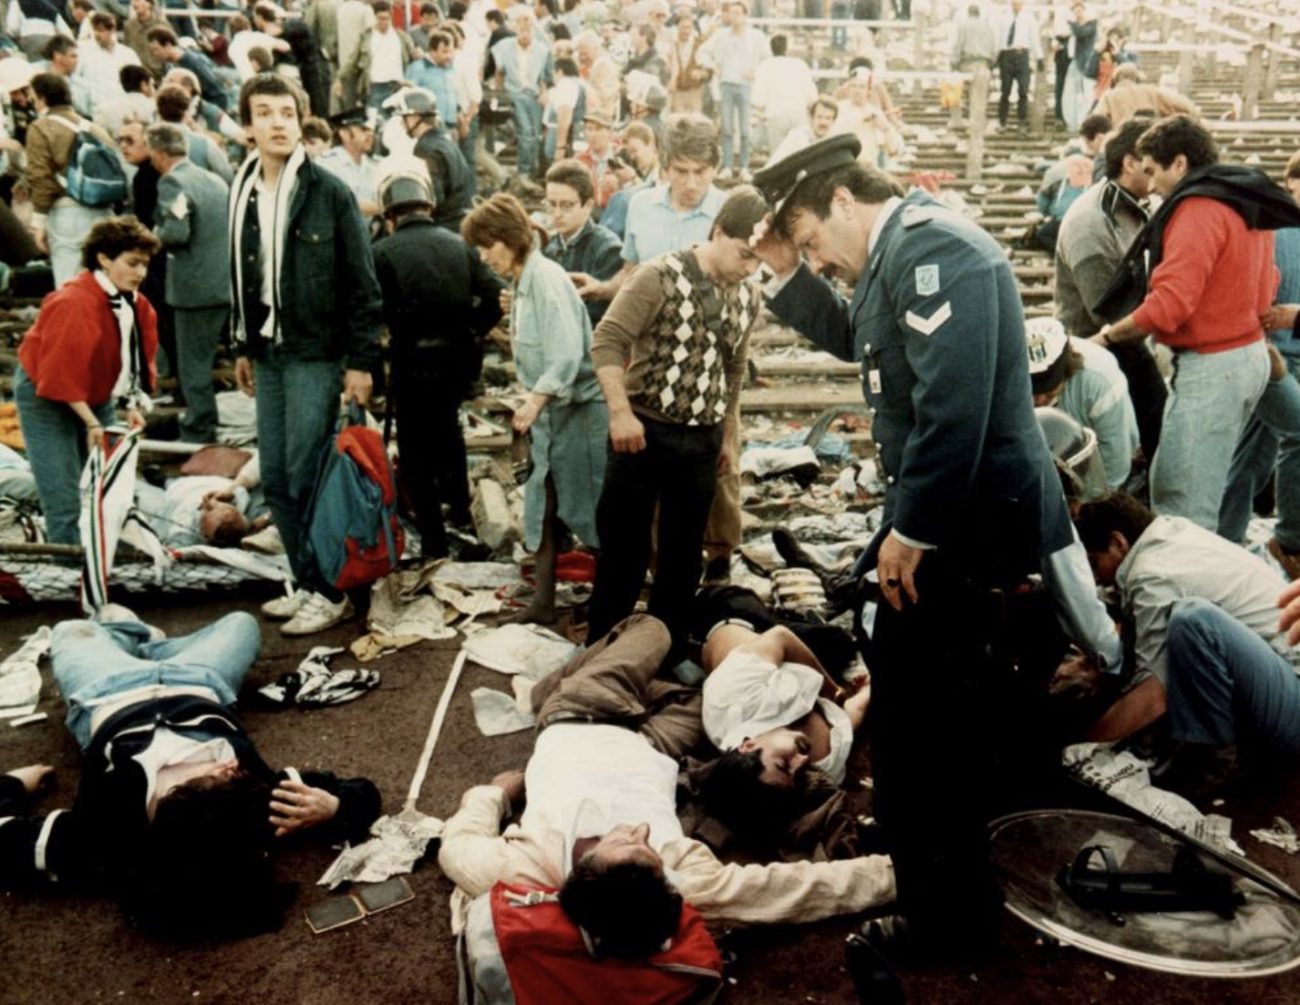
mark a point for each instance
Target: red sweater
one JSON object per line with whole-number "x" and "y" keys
{"x": 1214, "y": 281}
{"x": 74, "y": 351}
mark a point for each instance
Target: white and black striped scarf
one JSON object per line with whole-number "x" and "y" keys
{"x": 241, "y": 190}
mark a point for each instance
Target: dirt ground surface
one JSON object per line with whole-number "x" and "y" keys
{"x": 69, "y": 949}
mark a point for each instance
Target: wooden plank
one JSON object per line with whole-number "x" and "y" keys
{"x": 800, "y": 398}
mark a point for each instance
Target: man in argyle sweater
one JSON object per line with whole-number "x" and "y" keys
{"x": 670, "y": 354}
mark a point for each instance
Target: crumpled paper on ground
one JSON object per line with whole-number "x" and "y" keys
{"x": 528, "y": 650}
{"x": 476, "y": 575}
{"x": 528, "y": 653}
{"x": 1280, "y": 835}
{"x": 403, "y": 612}
{"x": 20, "y": 675}
{"x": 1126, "y": 777}
{"x": 497, "y": 713}
{"x": 396, "y": 845}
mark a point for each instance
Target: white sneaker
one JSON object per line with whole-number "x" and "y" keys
{"x": 316, "y": 614}
{"x": 283, "y": 608}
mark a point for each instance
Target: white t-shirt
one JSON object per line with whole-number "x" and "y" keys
{"x": 385, "y": 56}
{"x": 584, "y": 779}
{"x": 747, "y": 695}
{"x": 169, "y": 749}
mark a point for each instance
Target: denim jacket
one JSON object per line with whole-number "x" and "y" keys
{"x": 552, "y": 333}
{"x": 330, "y": 304}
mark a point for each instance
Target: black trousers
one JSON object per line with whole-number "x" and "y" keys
{"x": 1147, "y": 389}
{"x": 430, "y": 444}
{"x": 678, "y": 470}
{"x": 932, "y": 719}
{"x": 1062, "y": 60}
{"x": 1013, "y": 67}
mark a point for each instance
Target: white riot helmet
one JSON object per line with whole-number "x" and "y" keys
{"x": 1074, "y": 449}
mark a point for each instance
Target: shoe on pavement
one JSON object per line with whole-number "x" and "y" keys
{"x": 317, "y": 614}
{"x": 283, "y": 608}
{"x": 1289, "y": 560}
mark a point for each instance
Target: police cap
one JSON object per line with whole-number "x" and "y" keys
{"x": 352, "y": 117}
{"x": 777, "y": 181}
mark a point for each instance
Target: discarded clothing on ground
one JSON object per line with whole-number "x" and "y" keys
{"x": 314, "y": 685}
{"x": 20, "y": 676}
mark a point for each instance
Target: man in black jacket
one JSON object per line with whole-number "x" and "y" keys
{"x": 306, "y": 313}
{"x": 176, "y": 811}
{"x": 440, "y": 301}
{"x": 451, "y": 176}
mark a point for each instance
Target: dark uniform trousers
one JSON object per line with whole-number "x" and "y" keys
{"x": 932, "y": 670}
{"x": 678, "y": 471}
{"x": 428, "y": 388}
{"x": 1013, "y": 67}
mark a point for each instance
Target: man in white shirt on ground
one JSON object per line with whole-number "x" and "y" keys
{"x": 601, "y": 814}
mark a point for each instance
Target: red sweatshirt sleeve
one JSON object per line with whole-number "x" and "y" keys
{"x": 65, "y": 352}
{"x": 1193, "y": 240}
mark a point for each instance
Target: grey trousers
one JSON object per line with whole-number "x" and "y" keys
{"x": 198, "y": 332}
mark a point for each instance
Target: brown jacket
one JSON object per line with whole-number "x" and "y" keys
{"x": 134, "y": 35}
{"x": 49, "y": 145}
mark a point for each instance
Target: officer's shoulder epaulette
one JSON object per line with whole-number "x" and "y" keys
{"x": 914, "y": 216}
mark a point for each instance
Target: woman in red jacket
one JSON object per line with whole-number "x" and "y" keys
{"x": 91, "y": 351}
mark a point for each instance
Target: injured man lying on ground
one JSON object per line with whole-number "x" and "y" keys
{"x": 176, "y": 813}
{"x": 599, "y": 819}
{"x": 205, "y": 509}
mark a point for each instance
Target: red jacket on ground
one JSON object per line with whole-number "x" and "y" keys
{"x": 74, "y": 350}
{"x": 1215, "y": 279}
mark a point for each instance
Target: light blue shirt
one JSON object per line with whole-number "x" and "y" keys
{"x": 362, "y": 178}
{"x": 552, "y": 333}
{"x": 654, "y": 227}
{"x": 426, "y": 73}
{"x": 524, "y": 70}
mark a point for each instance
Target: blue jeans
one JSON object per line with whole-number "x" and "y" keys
{"x": 1212, "y": 397}
{"x": 66, "y": 227}
{"x": 94, "y": 662}
{"x": 735, "y": 116}
{"x": 1225, "y": 683}
{"x": 297, "y": 409}
{"x": 56, "y": 449}
{"x": 1076, "y": 99}
{"x": 380, "y": 92}
{"x": 528, "y": 130}
{"x": 1272, "y": 437}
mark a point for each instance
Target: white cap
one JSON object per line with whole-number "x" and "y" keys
{"x": 1046, "y": 340}
{"x": 15, "y": 74}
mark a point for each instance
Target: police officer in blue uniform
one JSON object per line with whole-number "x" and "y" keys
{"x": 973, "y": 505}
{"x": 351, "y": 159}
